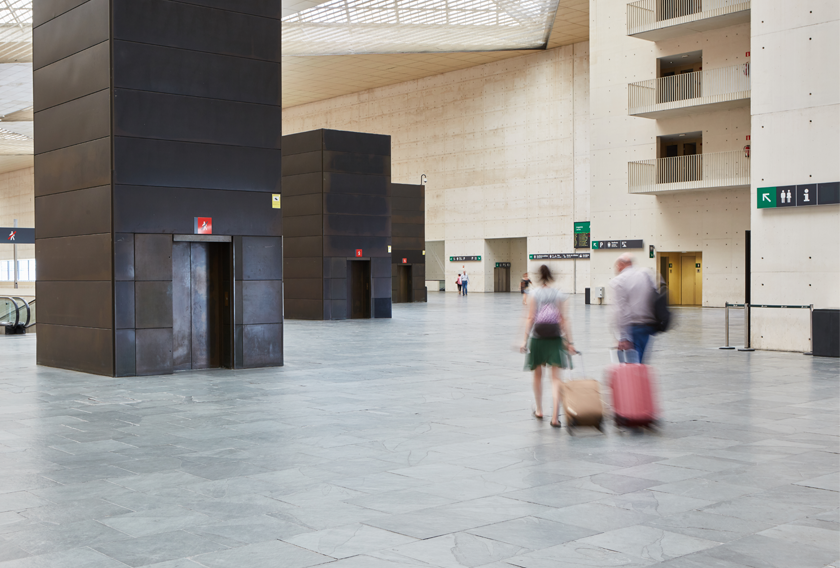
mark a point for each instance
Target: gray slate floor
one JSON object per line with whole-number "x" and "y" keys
{"x": 409, "y": 442}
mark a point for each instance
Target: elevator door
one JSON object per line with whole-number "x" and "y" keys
{"x": 359, "y": 289}
{"x": 201, "y": 302}
{"x": 405, "y": 284}
{"x": 683, "y": 275}
{"x": 501, "y": 279}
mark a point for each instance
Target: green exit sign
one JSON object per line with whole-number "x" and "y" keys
{"x": 766, "y": 197}
{"x": 582, "y": 227}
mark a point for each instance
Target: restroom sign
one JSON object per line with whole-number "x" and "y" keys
{"x": 798, "y": 195}
{"x": 359, "y": 252}
{"x": 203, "y": 226}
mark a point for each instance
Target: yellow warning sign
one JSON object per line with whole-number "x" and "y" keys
{"x": 275, "y": 201}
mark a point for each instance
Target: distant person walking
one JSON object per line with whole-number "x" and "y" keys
{"x": 548, "y": 340}
{"x": 458, "y": 282}
{"x": 633, "y": 316}
{"x": 465, "y": 280}
{"x": 524, "y": 284}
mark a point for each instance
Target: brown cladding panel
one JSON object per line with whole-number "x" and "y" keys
{"x": 75, "y": 167}
{"x": 142, "y": 114}
{"x": 357, "y": 225}
{"x": 303, "y": 184}
{"x": 153, "y": 351}
{"x": 402, "y": 217}
{"x": 75, "y": 122}
{"x": 302, "y": 247}
{"x": 354, "y": 183}
{"x": 304, "y": 226}
{"x": 262, "y": 258}
{"x": 85, "y": 257}
{"x": 196, "y": 28}
{"x": 164, "y": 163}
{"x": 266, "y": 8}
{"x": 142, "y": 209}
{"x": 85, "y": 304}
{"x": 346, "y": 246}
{"x": 358, "y": 142}
{"x": 360, "y": 164}
{"x": 85, "y": 349}
{"x": 302, "y": 142}
{"x": 303, "y": 267}
{"x": 80, "y": 212}
{"x": 262, "y": 345}
{"x": 355, "y": 204}
{"x": 303, "y": 289}
{"x": 299, "y": 164}
{"x": 153, "y": 257}
{"x": 262, "y": 302}
{"x": 181, "y": 307}
{"x": 152, "y": 304}
{"x": 73, "y": 31}
{"x": 163, "y": 70}
{"x": 298, "y": 205}
{"x": 303, "y": 309}
{"x": 45, "y": 10}
{"x": 80, "y": 74}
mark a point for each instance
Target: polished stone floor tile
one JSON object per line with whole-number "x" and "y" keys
{"x": 409, "y": 442}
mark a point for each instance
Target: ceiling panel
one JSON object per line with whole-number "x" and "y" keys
{"x": 315, "y": 78}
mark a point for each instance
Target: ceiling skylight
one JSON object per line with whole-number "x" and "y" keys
{"x": 339, "y": 27}
{"x": 15, "y": 30}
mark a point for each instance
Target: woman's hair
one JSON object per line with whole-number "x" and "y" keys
{"x": 545, "y": 275}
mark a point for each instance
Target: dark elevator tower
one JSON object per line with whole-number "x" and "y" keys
{"x": 408, "y": 237}
{"x": 148, "y": 115}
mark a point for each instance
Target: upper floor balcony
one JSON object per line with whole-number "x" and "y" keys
{"x": 718, "y": 170}
{"x": 656, "y": 20}
{"x": 665, "y": 96}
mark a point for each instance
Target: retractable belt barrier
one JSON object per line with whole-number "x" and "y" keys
{"x": 748, "y": 307}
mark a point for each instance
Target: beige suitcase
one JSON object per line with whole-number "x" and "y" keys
{"x": 582, "y": 404}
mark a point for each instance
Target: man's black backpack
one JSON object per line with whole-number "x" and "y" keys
{"x": 661, "y": 313}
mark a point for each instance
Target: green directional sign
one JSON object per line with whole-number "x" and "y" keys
{"x": 766, "y": 197}
{"x": 582, "y": 227}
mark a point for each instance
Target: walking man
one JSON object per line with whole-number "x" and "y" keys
{"x": 633, "y": 293}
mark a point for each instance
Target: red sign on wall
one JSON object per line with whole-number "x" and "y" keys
{"x": 203, "y": 225}
{"x": 748, "y": 54}
{"x": 358, "y": 252}
{"x": 405, "y": 261}
{"x": 748, "y": 136}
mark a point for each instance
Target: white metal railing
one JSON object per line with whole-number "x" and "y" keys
{"x": 697, "y": 171}
{"x": 689, "y": 89}
{"x": 646, "y": 15}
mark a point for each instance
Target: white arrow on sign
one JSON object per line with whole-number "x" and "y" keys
{"x": 765, "y": 197}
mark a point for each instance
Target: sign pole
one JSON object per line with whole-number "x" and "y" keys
{"x": 14, "y": 246}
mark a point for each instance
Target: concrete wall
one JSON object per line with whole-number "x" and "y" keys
{"x": 505, "y": 147}
{"x": 712, "y": 222}
{"x": 796, "y": 112}
{"x": 17, "y": 201}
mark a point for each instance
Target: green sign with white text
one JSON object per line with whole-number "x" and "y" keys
{"x": 582, "y": 227}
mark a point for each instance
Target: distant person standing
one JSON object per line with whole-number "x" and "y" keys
{"x": 465, "y": 280}
{"x": 548, "y": 340}
{"x": 524, "y": 284}
{"x": 458, "y": 282}
{"x": 633, "y": 316}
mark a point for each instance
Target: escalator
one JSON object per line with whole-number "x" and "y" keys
{"x": 17, "y": 316}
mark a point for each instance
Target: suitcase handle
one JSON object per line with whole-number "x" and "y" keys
{"x": 619, "y": 356}
{"x": 582, "y": 366}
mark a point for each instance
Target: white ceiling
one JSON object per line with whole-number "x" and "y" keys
{"x": 315, "y": 78}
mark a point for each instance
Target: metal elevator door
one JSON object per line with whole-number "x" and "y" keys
{"x": 501, "y": 279}
{"x": 201, "y": 302}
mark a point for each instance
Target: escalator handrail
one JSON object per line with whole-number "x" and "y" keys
{"x": 28, "y": 313}
{"x": 16, "y": 308}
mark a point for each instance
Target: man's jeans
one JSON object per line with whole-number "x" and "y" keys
{"x": 640, "y": 336}
{"x": 464, "y": 288}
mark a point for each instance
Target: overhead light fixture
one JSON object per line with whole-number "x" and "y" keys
{"x": 682, "y": 134}
{"x": 343, "y": 27}
{"x": 684, "y": 56}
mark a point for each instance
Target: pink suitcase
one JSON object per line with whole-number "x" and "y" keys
{"x": 633, "y": 397}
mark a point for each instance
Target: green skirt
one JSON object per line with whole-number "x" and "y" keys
{"x": 547, "y": 352}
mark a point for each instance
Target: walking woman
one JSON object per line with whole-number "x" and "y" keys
{"x": 548, "y": 340}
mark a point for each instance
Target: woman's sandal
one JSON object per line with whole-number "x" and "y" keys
{"x": 556, "y": 425}
{"x": 535, "y": 415}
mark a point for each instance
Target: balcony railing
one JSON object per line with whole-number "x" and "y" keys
{"x": 646, "y": 17}
{"x": 717, "y": 170}
{"x": 655, "y": 96}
